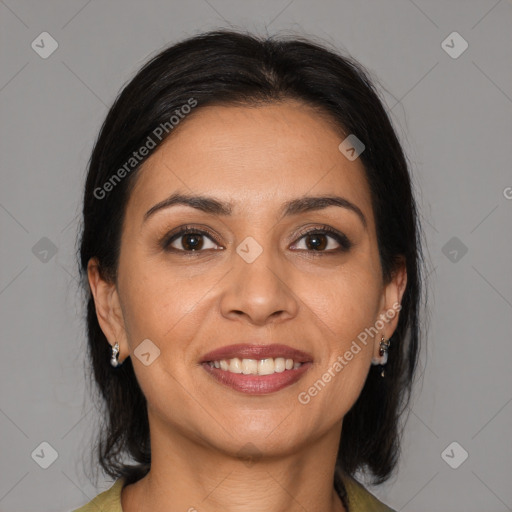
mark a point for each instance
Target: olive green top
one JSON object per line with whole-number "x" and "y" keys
{"x": 359, "y": 499}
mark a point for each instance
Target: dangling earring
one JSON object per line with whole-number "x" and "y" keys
{"x": 383, "y": 355}
{"x": 113, "y": 359}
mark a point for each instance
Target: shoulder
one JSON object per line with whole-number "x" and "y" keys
{"x": 107, "y": 501}
{"x": 360, "y": 499}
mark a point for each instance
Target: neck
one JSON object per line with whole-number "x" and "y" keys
{"x": 193, "y": 477}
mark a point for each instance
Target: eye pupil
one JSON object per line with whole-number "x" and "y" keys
{"x": 316, "y": 242}
{"x": 192, "y": 242}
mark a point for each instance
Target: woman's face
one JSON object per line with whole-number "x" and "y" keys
{"x": 255, "y": 277}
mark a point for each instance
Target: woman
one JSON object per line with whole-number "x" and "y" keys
{"x": 252, "y": 256}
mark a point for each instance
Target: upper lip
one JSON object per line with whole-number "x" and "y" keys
{"x": 251, "y": 351}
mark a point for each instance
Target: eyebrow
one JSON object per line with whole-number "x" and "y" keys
{"x": 215, "y": 207}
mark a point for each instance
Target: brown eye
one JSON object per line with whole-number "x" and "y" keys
{"x": 189, "y": 240}
{"x": 316, "y": 242}
{"x": 192, "y": 242}
{"x": 324, "y": 240}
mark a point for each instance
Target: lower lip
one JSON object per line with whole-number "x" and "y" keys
{"x": 257, "y": 384}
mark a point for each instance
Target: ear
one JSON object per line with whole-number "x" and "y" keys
{"x": 387, "y": 320}
{"x": 108, "y": 308}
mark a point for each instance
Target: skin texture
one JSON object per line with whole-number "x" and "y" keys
{"x": 189, "y": 303}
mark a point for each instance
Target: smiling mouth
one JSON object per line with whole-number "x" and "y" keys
{"x": 256, "y": 369}
{"x": 269, "y": 380}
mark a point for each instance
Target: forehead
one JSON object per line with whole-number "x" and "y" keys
{"x": 255, "y": 157}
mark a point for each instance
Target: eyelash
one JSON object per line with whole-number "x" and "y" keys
{"x": 343, "y": 241}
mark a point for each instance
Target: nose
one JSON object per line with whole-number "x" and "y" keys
{"x": 259, "y": 292}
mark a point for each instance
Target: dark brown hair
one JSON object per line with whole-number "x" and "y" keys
{"x": 226, "y": 67}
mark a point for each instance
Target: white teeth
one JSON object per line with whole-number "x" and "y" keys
{"x": 235, "y": 365}
{"x": 279, "y": 364}
{"x": 266, "y": 366}
{"x": 249, "y": 367}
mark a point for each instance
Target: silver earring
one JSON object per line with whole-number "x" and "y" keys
{"x": 383, "y": 355}
{"x": 113, "y": 359}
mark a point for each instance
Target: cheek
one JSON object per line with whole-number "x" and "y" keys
{"x": 156, "y": 298}
{"x": 347, "y": 303}
{"x": 346, "y": 308}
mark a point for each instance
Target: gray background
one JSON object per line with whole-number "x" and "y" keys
{"x": 454, "y": 117}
